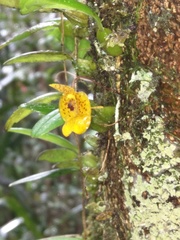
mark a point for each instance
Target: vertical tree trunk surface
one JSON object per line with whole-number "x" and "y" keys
{"x": 138, "y": 185}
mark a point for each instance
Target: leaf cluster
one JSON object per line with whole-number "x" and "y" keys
{"x": 69, "y": 31}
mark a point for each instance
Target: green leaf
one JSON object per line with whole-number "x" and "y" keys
{"x": 106, "y": 114}
{"x": 23, "y": 110}
{"x": 27, "y": 33}
{"x": 92, "y": 140}
{"x": 64, "y": 237}
{"x": 89, "y": 160}
{"x": 10, "y": 3}
{"x": 101, "y": 118}
{"x": 38, "y": 103}
{"x": 38, "y": 56}
{"x": 83, "y": 47}
{"x": 86, "y": 67}
{"x": 77, "y": 18}
{"x": 27, "y": 6}
{"x": 43, "y": 108}
{"x": 50, "y": 137}
{"x": 69, "y": 43}
{"x": 68, "y": 27}
{"x": 35, "y": 177}
{"x": 47, "y": 123}
{"x": 17, "y": 116}
{"x": 59, "y": 156}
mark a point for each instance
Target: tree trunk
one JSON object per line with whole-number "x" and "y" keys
{"x": 137, "y": 194}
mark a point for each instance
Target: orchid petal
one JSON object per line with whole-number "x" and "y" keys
{"x": 75, "y": 110}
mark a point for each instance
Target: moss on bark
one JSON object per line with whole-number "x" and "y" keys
{"x": 137, "y": 192}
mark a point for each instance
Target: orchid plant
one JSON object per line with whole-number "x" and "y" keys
{"x": 75, "y": 112}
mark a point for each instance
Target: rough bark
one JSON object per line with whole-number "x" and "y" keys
{"x": 138, "y": 185}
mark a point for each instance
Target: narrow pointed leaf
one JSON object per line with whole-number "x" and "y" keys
{"x": 28, "y": 32}
{"x": 10, "y": 3}
{"x": 27, "y": 6}
{"x": 64, "y": 237}
{"x": 17, "y": 116}
{"x": 45, "y": 98}
{"x": 24, "y": 110}
{"x": 11, "y": 225}
{"x": 38, "y": 56}
{"x": 58, "y": 155}
{"x": 34, "y": 177}
{"x": 43, "y": 108}
{"x": 47, "y": 123}
{"x": 50, "y": 137}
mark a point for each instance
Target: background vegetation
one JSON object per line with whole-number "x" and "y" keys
{"x": 49, "y": 206}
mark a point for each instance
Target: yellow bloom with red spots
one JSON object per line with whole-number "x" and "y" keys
{"x": 75, "y": 109}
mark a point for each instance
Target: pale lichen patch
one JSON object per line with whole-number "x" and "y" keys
{"x": 147, "y": 85}
{"x": 152, "y": 213}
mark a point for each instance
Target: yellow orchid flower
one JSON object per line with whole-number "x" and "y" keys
{"x": 75, "y": 109}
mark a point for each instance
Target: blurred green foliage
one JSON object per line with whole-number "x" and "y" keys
{"x": 49, "y": 206}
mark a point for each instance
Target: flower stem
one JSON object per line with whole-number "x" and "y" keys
{"x": 83, "y": 186}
